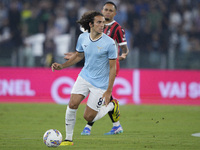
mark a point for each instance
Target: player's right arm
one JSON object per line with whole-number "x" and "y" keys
{"x": 69, "y": 55}
{"x": 75, "y": 58}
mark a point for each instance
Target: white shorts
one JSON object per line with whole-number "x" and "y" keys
{"x": 84, "y": 88}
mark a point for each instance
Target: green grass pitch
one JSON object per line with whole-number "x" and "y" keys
{"x": 145, "y": 127}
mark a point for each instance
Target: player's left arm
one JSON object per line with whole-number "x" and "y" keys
{"x": 112, "y": 76}
{"x": 125, "y": 52}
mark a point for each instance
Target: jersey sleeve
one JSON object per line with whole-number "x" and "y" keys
{"x": 112, "y": 51}
{"x": 120, "y": 36}
{"x": 79, "y": 47}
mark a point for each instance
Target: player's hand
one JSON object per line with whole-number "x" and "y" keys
{"x": 68, "y": 55}
{"x": 122, "y": 57}
{"x": 107, "y": 96}
{"x": 56, "y": 66}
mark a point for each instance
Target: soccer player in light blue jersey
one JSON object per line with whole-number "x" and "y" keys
{"x": 117, "y": 33}
{"x": 96, "y": 78}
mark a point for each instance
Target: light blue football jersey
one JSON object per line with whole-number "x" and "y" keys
{"x": 97, "y": 54}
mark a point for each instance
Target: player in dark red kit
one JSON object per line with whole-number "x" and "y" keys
{"x": 116, "y": 32}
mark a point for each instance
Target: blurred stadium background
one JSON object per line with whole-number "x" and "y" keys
{"x": 163, "y": 68}
{"x": 161, "y": 34}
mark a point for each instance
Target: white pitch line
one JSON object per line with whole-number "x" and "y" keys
{"x": 196, "y": 134}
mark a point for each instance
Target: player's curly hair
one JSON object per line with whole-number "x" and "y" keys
{"x": 87, "y": 18}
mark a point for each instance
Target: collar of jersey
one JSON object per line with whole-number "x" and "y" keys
{"x": 96, "y": 39}
{"x": 110, "y": 23}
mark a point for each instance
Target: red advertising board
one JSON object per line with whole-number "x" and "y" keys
{"x": 132, "y": 86}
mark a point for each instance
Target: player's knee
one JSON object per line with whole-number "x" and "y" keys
{"x": 73, "y": 106}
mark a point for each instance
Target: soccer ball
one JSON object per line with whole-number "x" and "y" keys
{"x": 52, "y": 138}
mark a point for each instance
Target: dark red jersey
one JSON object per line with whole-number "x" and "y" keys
{"x": 117, "y": 33}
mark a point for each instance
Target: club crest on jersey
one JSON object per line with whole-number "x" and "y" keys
{"x": 99, "y": 48}
{"x": 108, "y": 32}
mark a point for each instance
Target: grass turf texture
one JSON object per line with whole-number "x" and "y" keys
{"x": 145, "y": 127}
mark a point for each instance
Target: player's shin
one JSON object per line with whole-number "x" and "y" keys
{"x": 70, "y": 120}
